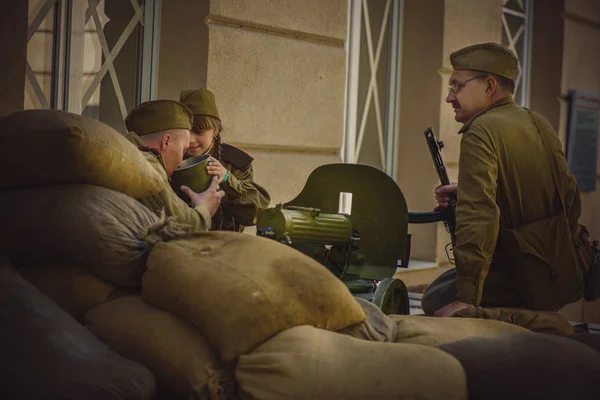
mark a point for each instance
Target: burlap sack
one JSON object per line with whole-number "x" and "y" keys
{"x": 526, "y": 366}
{"x": 46, "y": 354}
{"x": 97, "y": 228}
{"x": 432, "y": 331}
{"x": 74, "y": 289}
{"x": 240, "y": 290}
{"x": 179, "y": 356}
{"x": 378, "y": 327}
{"x": 309, "y": 363}
{"x": 537, "y": 321}
{"x": 590, "y": 339}
{"x": 45, "y": 147}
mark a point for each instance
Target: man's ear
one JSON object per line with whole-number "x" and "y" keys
{"x": 492, "y": 85}
{"x": 165, "y": 141}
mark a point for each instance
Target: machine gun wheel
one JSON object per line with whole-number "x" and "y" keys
{"x": 391, "y": 296}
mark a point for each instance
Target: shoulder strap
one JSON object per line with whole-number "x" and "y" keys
{"x": 236, "y": 157}
{"x": 553, "y": 165}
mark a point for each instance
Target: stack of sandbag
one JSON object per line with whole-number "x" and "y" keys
{"x": 305, "y": 362}
{"x": 184, "y": 364}
{"x": 432, "y": 331}
{"x": 523, "y": 366}
{"x": 535, "y": 320}
{"x": 239, "y": 290}
{"x": 220, "y": 294}
{"x": 51, "y": 147}
{"x": 89, "y": 226}
{"x": 70, "y": 221}
{"x": 418, "y": 329}
{"x": 72, "y": 288}
{"x": 46, "y": 354}
{"x": 69, "y": 184}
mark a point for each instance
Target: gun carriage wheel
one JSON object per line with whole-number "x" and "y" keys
{"x": 391, "y": 296}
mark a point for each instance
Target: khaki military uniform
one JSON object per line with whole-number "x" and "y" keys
{"x": 243, "y": 197}
{"x": 166, "y": 201}
{"x": 517, "y": 211}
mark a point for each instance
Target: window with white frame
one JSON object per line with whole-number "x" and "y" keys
{"x": 517, "y": 26}
{"x": 373, "y": 83}
{"x": 92, "y": 57}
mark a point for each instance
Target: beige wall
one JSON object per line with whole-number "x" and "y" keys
{"x": 279, "y": 80}
{"x": 581, "y": 70}
{"x": 183, "y": 47}
{"x": 13, "y": 53}
{"x": 278, "y": 76}
{"x": 422, "y": 46}
{"x": 547, "y": 59}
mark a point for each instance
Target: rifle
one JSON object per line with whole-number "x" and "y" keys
{"x": 446, "y": 214}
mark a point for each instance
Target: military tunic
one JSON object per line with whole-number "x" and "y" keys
{"x": 243, "y": 197}
{"x": 508, "y": 203}
{"x": 166, "y": 202}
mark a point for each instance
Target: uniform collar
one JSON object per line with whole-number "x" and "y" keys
{"x": 136, "y": 140}
{"x": 502, "y": 102}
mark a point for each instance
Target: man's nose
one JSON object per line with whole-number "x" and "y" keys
{"x": 450, "y": 98}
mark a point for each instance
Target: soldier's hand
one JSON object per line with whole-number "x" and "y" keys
{"x": 442, "y": 194}
{"x": 210, "y": 198}
{"x": 450, "y": 309}
{"x": 215, "y": 168}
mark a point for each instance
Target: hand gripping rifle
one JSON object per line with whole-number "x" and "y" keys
{"x": 446, "y": 214}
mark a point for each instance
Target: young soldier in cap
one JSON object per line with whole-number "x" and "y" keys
{"x": 161, "y": 130}
{"x": 232, "y": 166}
{"x": 517, "y": 235}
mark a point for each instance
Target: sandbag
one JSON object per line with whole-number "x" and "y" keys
{"x": 431, "y": 331}
{"x": 72, "y": 288}
{"x": 535, "y": 320}
{"x": 182, "y": 361}
{"x": 378, "y": 327}
{"x": 526, "y": 366}
{"x": 46, "y": 354}
{"x": 91, "y": 226}
{"x": 590, "y": 339}
{"x": 239, "y": 290}
{"x": 49, "y": 147}
{"x": 309, "y": 363}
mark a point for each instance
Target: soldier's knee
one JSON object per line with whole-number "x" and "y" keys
{"x": 437, "y": 296}
{"x": 430, "y": 303}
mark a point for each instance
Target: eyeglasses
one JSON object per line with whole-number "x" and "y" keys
{"x": 455, "y": 87}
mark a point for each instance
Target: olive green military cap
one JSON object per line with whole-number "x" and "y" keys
{"x": 159, "y": 115}
{"x": 201, "y": 102}
{"x": 486, "y": 57}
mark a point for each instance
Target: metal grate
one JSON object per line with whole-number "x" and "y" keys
{"x": 516, "y": 35}
{"x": 373, "y": 86}
{"x": 73, "y": 45}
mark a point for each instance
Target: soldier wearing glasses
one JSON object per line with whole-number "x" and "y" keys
{"x": 518, "y": 241}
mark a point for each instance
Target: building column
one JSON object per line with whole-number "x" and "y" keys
{"x": 13, "y": 53}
